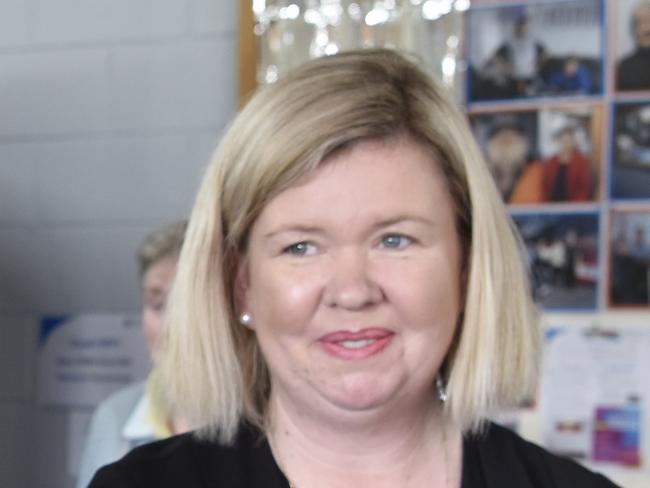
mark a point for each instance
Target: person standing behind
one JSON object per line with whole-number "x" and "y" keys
{"x": 136, "y": 414}
{"x": 567, "y": 175}
{"x": 633, "y": 71}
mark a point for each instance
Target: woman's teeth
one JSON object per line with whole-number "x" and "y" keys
{"x": 356, "y": 344}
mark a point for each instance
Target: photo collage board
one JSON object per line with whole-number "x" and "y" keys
{"x": 558, "y": 97}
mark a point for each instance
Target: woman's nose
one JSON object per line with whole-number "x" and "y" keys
{"x": 350, "y": 284}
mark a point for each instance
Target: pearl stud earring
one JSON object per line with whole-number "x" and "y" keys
{"x": 245, "y": 319}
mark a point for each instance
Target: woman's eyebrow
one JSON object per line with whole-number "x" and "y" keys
{"x": 298, "y": 228}
{"x": 403, "y": 218}
{"x": 379, "y": 224}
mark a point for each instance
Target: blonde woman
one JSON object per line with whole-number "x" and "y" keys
{"x": 350, "y": 305}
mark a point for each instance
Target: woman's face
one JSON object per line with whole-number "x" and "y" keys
{"x": 156, "y": 283}
{"x": 352, "y": 279}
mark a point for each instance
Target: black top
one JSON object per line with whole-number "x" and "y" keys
{"x": 497, "y": 459}
{"x": 634, "y": 71}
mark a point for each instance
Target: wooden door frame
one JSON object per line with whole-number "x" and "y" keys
{"x": 247, "y": 53}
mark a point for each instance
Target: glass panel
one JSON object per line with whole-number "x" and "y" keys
{"x": 289, "y": 32}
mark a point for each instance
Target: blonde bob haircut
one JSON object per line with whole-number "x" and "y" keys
{"x": 215, "y": 374}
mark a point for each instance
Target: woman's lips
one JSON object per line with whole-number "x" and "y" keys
{"x": 356, "y": 345}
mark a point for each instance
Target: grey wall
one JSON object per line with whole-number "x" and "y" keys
{"x": 109, "y": 110}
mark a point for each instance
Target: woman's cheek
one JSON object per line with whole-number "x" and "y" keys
{"x": 289, "y": 298}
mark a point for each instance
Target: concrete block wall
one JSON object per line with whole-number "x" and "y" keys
{"x": 109, "y": 110}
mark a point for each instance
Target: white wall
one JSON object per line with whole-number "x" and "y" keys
{"x": 109, "y": 110}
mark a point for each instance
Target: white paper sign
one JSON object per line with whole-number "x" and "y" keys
{"x": 595, "y": 393}
{"x": 82, "y": 359}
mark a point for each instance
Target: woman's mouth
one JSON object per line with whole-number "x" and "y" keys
{"x": 356, "y": 345}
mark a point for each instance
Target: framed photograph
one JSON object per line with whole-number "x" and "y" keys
{"x": 632, "y": 70}
{"x": 629, "y": 274}
{"x": 562, "y": 254}
{"x": 630, "y": 173}
{"x": 552, "y": 155}
{"x": 535, "y": 50}
{"x": 509, "y": 140}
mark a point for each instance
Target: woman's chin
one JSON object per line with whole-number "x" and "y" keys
{"x": 362, "y": 395}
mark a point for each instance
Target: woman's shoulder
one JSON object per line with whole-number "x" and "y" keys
{"x": 187, "y": 460}
{"x": 500, "y": 457}
{"x": 120, "y": 403}
{"x": 105, "y": 441}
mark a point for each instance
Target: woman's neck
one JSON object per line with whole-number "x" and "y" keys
{"x": 379, "y": 448}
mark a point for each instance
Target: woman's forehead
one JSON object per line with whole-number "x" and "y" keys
{"x": 372, "y": 181}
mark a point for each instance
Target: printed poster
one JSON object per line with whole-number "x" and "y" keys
{"x": 84, "y": 358}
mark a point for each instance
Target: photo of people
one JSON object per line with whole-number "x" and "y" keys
{"x": 540, "y": 49}
{"x": 562, "y": 252}
{"x": 570, "y": 149}
{"x": 630, "y": 258}
{"x": 630, "y": 175}
{"x": 545, "y": 156}
{"x": 633, "y": 45}
{"x": 509, "y": 142}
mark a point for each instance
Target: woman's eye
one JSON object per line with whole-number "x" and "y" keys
{"x": 395, "y": 241}
{"x": 300, "y": 249}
